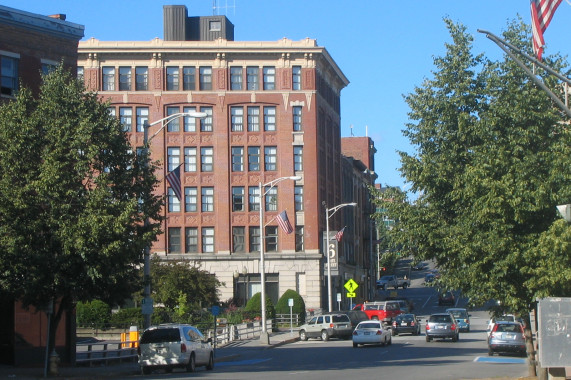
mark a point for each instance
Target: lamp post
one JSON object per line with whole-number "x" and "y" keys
{"x": 264, "y": 337}
{"x": 333, "y": 210}
{"x": 147, "y": 264}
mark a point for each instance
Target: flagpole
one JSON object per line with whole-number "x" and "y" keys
{"x": 328, "y": 247}
{"x": 264, "y": 337}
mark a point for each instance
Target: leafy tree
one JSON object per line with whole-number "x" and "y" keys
{"x": 73, "y": 198}
{"x": 491, "y": 164}
{"x": 282, "y": 307}
{"x": 171, "y": 279}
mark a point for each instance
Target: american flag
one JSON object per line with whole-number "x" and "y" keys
{"x": 541, "y": 14}
{"x": 339, "y": 234}
{"x": 173, "y": 179}
{"x": 284, "y": 223}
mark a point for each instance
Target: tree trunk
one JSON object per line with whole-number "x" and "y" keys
{"x": 530, "y": 349}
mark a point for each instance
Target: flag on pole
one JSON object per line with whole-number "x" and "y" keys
{"x": 339, "y": 234}
{"x": 173, "y": 179}
{"x": 284, "y": 223}
{"x": 541, "y": 14}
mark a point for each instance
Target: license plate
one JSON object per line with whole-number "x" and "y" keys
{"x": 403, "y": 324}
{"x": 440, "y": 327}
{"x": 510, "y": 336}
{"x": 367, "y": 333}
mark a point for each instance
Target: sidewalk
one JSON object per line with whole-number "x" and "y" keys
{"x": 228, "y": 352}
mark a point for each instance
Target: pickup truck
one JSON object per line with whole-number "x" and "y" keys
{"x": 384, "y": 311}
{"x": 392, "y": 281}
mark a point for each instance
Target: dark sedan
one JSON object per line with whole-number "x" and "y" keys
{"x": 406, "y": 324}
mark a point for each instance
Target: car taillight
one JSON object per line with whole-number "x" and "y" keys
{"x": 427, "y": 327}
{"x": 379, "y": 332}
{"x": 182, "y": 347}
{"x": 453, "y": 327}
{"x": 394, "y": 323}
{"x": 412, "y": 323}
{"x": 332, "y": 325}
{"x": 355, "y": 332}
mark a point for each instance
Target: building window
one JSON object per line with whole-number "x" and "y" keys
{"x": 108, "y": 78}
{"x": 269, "y": 118}
{"x": 190, "y": 159}
{"x": 189, "y": 121}
{"x": 124, "y": 79}
{"x": 270, "y": 158}
{"x": 237, "y": 119}
{"x": 189, "y": 78}
{"x": 8, "y": 75}
{"x": 111, "y": 111}
{"x": 237, "y": 198}
{"x": 253, "y": 119}
{"x": 298, "y": 158}
{"x": 254, "y": 158}
{"x": 238, "y": 239}
{"x": 298, "y": 198}
{"x": 205, "y": 78}
{"x": 237, "y": 159}
{"x": 174, "y": 202}
{"x": 253, "y": 198}
{"x": 269, "y": 78}
{"x": 141, "y": 78}
{"x": 254, "y": 239}
{"x": 271, "y": 239}
{"x": 48, "y": 66}
{"x": 142, "y": 118}
{"x": 80, "y": 73}
{"x": 174, "y": 240}
{"x": 271, "y": 199}
{"x": 126, "y": 117}
{"x": 207, "y": 199}
{"x": 173, "y": 157}
{"x": 191, "y": 237}
{"x": 252, "y": 78}
{"x": 190, "y": 199}
{"x": 299, "y": 246}
{"x": 206, "y": 122}
{"x": 173, "y": 124}
{"x": 297, "y": 126}
{"x": 215, "y": 25}
{"x": 207, "y": 159}
{"x": 296, "y": 77}
{"x": 172, "y": 79}
{"x": 208, "y": 239}
{"x": 235, "y": 78}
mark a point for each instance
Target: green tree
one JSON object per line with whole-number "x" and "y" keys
{"x": 171, "y": 279}
{"x": 73, "y": 198}
{"x": 282, "y": 307}
{"x": 491, "y": 164}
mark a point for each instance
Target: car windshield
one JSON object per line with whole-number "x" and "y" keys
{"x": 369, "y": 325}
{"x": 439, "y": 318}
{"x": 160, "y": 335}
{"x": 405, "y": 318}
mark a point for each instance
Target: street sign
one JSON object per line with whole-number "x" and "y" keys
{"x": 351, "y": 295}
{"x": 215, "y": 310}
{"x": 351, "y": 286}
{"x": 147, "y": 306}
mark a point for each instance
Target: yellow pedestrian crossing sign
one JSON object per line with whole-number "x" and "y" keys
{"x": 351, "y": 295}
{"x": 351, "y": 286}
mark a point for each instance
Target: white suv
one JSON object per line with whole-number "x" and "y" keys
{"x": 174, "y": 345}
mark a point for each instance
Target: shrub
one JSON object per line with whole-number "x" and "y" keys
{"x": 96, "y": 314}
{"x": 254, "y": 306}
{"x": 127, "y": 317}
{"x": 282, "y": 307}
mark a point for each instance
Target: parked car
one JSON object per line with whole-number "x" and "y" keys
{"x": 406, "y": 324}
{"x": 355, "y": 316}
{"x": 336, "y": 325}
{"x": 429, "y": 278}
{"x": 419, "y": 266}
{"x": 500, "y": 318}
{"x": 371, "y": 332}
{"x": 462, "y": 318}
{"x": 405, "y": 304}
{"x": 506, "y": 337}
{"x": 170, "y": 346}
{"x": 392, "y": 281}
{"x": 442, "y": 326}
{"x": 446, "y": 298}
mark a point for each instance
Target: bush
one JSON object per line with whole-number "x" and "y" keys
{"x": 127, "y": 317}
{"x": 254, "y": 307}
{"x": 96, "y": 314}
{"x": 282, "y": 307}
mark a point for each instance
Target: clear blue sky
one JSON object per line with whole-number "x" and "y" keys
{"x": 385, "y": 48}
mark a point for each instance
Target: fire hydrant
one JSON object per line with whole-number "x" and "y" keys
{"x": 54, "y": 361}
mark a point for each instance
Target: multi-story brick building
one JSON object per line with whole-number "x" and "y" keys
{"x": 273, "y": 111}
{"x": 29, "y": 45}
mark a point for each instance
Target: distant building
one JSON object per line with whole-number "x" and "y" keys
{"x": 31, "y": 44}
{"x": 273, "y": 111}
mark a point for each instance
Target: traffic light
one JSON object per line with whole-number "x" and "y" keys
{"x": 382, "y": 271}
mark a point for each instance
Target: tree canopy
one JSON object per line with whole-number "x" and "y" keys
{"x": 491, "y": 162}
{"x": 73, "y": 198}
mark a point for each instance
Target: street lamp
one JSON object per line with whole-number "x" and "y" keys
{"x": 147, "y": 263}
{"x": 333, "y": 210}
{"x": 264, "y": 337}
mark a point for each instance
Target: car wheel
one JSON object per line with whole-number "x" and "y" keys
{"x": 456, "y": 337}
{"x": 355, "y": 345}
{"x": 393, "y": 332}
{"x": 404, "y": 286}
{"x": 490, "y": 353}
{"x": 191, "y": 366}
{"x": 210, "y": 365}
{"x": 390, "y": 340}
{"x": 428, "y": 339}
{"x": 302, "y": 335}
{"x": 324, "y": 335}
{"x": 145, "y": 370}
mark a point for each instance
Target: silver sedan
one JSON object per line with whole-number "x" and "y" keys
{"x": 371, "y": 332}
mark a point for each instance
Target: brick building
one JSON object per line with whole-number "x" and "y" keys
{"x": 273, "y": 111}
{"x": 29, "y": 45}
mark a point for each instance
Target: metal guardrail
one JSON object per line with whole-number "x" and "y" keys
{"x": 90, "y": 353}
